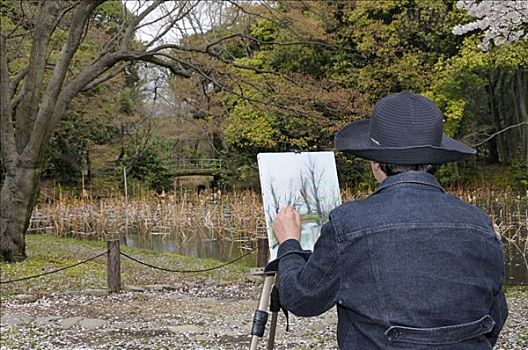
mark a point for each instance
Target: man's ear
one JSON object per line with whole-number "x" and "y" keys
{"x": 378, "y": 173}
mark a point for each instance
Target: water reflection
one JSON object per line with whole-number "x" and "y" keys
{"x": 192, "y": 246}
{"x": 516, "y": 271}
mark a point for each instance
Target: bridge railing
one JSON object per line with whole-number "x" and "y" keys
{"x": 196, "y": 164}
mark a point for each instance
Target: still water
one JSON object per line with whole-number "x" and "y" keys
{"x": 193, "y": 246}
{"x": 516, "y": 271}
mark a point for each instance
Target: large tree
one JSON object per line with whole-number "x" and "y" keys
{"x": 37, "y": 88}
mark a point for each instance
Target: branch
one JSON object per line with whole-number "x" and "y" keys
{"x": 220, "y": 58}
{"x": 170, "y": 25}
{"x": 499, "y": 132}
{"x": 225, "y": 88}
{"x": 116, "y": 70}
{"x": 17, "y": 79}
{"x": 16, "y": 100}
{"x": 245, "y": 11}
{"x": 132, "y": 27}
{"x": 46, "y": 116}
{"x": 26, "y": 113}
{"x": 13, "y": 36}
{"x": 175, "y": 69}
{"x": 7, "y": 132}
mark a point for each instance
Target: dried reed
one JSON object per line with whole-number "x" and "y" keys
{"x": 224, "y": 215}
{"x": 238, "y": 216}
{"x": 212, "y": 215}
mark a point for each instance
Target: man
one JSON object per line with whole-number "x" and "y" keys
{"x": 410, "y": 267}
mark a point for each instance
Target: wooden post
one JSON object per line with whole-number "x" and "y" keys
{"x": 262, "y": 251}
{"x": 125, "y": 185}
{"x": 113, "y": 266}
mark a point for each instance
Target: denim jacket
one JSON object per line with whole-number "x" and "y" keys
{"x": 410, "y": 267}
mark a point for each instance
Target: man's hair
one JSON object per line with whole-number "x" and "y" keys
{"x": 394, "y": 169}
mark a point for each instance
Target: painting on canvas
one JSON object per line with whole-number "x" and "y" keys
{"x": 305, "y": 180}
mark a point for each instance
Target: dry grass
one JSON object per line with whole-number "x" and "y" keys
{"x": 228, "y": 216}
{"x": 233, "y": 215}
{"x": 510, "y": 216}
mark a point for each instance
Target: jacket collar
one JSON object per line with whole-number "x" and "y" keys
{"x": 414, "y": 177}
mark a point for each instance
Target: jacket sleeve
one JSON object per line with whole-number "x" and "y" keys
{"x": 499, "y": 313}
{"x": 308, "y": 285}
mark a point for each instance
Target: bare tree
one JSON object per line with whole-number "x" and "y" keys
{"x": 304, "y": 191}
{"x": 289, "y": 199}
{"x": 274, "y": 209}
{"x": 35, "y": 96}
{"x": 315, "y": 178}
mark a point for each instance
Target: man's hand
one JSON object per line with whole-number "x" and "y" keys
{"x": 287, "y": 225}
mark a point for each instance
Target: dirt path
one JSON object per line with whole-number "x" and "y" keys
{"x": 150, "y": 320}
{"x": 187, "y": 318}
{"x": 211, "y": 310}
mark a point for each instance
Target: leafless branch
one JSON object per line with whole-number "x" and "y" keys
{"x": 171, "y": 24}
{"x": 116, "y": 70}
{"x": 26, "y": 112}
{"x": 218, "y": 57}
{"x": 132, "y": 26}
{"x": 249, "y": 13}
{"x": 17, "y": 79}
{"x": 13, "y": 36}
{"x": 43, "y": 125}
{"x": 7, "y": 133}
{"x": 499, "y": 132}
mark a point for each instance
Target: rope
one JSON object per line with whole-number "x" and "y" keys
{"x": 54, "y": 271}
{"x": 188, "y": 271}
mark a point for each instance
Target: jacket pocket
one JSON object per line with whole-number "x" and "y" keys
{"x": 441, "y": 335}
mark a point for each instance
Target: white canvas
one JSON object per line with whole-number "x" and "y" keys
{"x": 307, "y": 181}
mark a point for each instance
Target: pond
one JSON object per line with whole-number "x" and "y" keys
{"x": 224, "y": 225}
{"x": 194, "y": 246}
{"x": 516, "y": 271}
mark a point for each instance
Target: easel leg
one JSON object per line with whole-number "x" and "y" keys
{"x": 261, "y": 315}
{"x": 273, "y": 328}
{"x": 274, "y": 307}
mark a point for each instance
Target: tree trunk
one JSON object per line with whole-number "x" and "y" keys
{"x": 18, "y": 197}
{"x": 523, "y": 109}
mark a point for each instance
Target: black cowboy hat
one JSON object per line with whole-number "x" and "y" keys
{"x": 405, "y": 128}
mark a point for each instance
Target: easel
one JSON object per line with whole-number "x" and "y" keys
{"x": 269, "y": 296}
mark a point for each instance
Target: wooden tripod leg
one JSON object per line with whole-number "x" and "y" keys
{"x": 274, "y": 307}
{"x": 261, "y": 314}
{"x": 273, "y": 328}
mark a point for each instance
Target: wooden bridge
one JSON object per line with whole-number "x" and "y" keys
{"x": 194, "y": 167}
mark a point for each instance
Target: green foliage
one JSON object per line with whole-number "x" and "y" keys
{"x": 458, "y": 81}
{"x": 396, "y": 44}
{"x": 127, "y": 103}
{"x": 470, "y": 89}
{"x": 264, "y": 30}
{"x": 111, "y": 15}
{"x": 71, "y": 144}
{"x": 519, "y": 175}
{"x": 151, "y": 167}
{"x": 248, "y": 126}
{"x": 354, "y": 173}
{"x": 331, "y": 62}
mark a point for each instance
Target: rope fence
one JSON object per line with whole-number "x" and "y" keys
{"x": 54, "y": 271}
{"x": 189, "y": 271}
{"x": 113, "y": 254}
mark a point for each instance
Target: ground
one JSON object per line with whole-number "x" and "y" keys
{"x": 160, "y": 310}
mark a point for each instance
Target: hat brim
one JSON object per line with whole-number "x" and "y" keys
{"x": 355, "y": 138}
